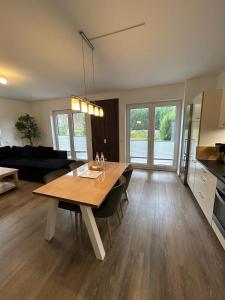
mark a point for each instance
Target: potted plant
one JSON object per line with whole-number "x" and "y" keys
{"x": 28, "y": 127}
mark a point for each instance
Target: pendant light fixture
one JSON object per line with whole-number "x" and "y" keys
{"x": 96, "y": 111}
{"x": 75, "y": 103}
{"x": 101, "y": 112}
{"x": 82, "y": 104}
{"x": 90, "y": 109}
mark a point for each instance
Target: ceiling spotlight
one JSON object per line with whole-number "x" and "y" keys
{"x": 3, "y": 80}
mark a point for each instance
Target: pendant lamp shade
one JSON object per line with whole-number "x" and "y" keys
{"x": 90, "y": 109}
{"x": 84, "y": 107}
{"x": 101, "y": 112}
{"x": 96, "y": 111}
{"x": 75, "y": 103}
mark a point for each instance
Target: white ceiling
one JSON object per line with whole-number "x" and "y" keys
{"x": 40, "y": 49}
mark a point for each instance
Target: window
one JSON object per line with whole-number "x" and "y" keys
{"x": 71, "y": 133}
{"x": 80, "y": 136}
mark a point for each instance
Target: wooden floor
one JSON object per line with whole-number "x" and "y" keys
{"x": 164, "y": 248}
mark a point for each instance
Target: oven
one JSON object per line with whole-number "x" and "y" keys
{"x": 219, "y": 207}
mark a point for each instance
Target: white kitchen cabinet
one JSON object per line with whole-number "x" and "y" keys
{"x": 222, "y": 111}
{"x": 205, "y": 129}
{"x": 197, "y": 109}
{"x": 204, "y": 190}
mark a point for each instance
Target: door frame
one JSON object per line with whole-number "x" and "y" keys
{"x": 151, "y": 126}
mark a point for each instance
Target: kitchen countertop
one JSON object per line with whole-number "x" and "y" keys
{"x": 216, "y": 167}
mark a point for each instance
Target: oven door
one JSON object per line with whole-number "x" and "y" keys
{"x": 219, "y": 211}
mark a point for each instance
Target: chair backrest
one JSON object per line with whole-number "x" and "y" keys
{"x": 127, "y": 174}
{"x": 76, "y": 164}
{"x": 111, "y": 201}
{"x": 54, "y": 174}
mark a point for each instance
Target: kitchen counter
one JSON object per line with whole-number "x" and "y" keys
{"x": 216, "y": 167}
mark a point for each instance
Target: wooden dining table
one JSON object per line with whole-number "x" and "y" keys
{"x": 86, "y": 192}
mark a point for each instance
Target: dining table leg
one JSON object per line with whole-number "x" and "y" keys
{"x": 93, "y": 232}
{"x": 51, "y": 219}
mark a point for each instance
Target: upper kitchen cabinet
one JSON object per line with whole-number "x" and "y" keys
{"x": 197, "y": 108}
{"x": 222, "y": 111}
{"x": 210, "y": 133}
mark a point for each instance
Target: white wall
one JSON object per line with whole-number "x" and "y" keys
{"x": 220, "y": 84}
{"x": 196, "y": 85}
{"x": 10, "y": 110}
{"x": 42, "y": 109}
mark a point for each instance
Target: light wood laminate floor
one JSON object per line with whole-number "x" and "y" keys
{"x": 164, "y": 248}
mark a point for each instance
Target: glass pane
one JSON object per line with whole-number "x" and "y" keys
{"x": 62, "y": 124}
{"x": 164, "y": 135}
{"x": 80, "y": 136}
{"x": 139, "y": 135}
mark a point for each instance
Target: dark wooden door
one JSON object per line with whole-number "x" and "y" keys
{"x": 105, "y": 131}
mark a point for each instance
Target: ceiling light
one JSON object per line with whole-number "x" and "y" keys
{"x": 3, "y": 80}
{"x": 101, "y": 112}
{"x": 96, "y": 111}
{"x": 82, "y": 104}
{"x": 90, "y": 109}
{"x": 75, "y": 103}
{"x": 84, "y": 107}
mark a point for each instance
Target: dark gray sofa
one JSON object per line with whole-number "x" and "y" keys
{"x": 33, "y": 162}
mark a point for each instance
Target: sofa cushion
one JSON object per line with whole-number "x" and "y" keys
{"x": 48, "y": 163}
{"x": 21, "y": 152}
{"x": 5, "y": 152}
{"x": 16, "y": 151}
{"x": 28, "y": 151}
{"x": 43, "y": 152}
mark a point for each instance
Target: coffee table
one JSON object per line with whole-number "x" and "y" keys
{"x": 6, "y": 185}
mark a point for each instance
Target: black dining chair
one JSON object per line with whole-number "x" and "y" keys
{"x": 54, "y": 174}
{"x": 76, "y": 164}
{"x": 63, "y": 204}
{"x": 110, "y": 205}
{"x": 127, "y": 174}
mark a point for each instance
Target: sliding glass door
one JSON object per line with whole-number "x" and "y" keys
{"x": 70, "y": 132}
{"x": 153, "y": 135}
